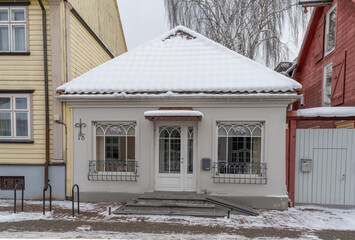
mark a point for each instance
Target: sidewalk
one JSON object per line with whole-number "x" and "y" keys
{"x": 309, "y": 222}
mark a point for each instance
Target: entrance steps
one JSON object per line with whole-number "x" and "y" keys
{"x": 177, "y": 204}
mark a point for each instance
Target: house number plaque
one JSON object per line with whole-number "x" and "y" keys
{"x": 80, "y": 125}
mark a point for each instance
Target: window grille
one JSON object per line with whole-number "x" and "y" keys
{"x": 239, "y": 154}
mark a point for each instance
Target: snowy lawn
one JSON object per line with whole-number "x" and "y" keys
{"x": 303, "y": 217}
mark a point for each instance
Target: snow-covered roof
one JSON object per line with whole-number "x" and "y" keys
{"x": 327, "y": 112}
{"x": 173, "y": 113}
{"x": 181, "y": 61}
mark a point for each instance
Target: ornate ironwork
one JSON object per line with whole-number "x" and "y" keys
{"x": 80, "y": 125}
{"x": 239, "y": 172}
{"x": 113, "y": 170}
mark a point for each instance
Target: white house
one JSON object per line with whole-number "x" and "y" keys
{"x": 181, "y": 113}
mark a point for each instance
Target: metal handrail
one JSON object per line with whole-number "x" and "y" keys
{"x": 72, "y": 192}
{"x": 44, "y": 198}
{"x": 22, "y": 189}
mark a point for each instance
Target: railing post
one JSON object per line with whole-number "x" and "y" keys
{"x": 72, "y": 192}
{"x": 44, "y": 197}
{"x": 18, "y": 185}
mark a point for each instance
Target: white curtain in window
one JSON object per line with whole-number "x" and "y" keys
{"x": 5, "y": 124}
{"x": 18, "y": 38}
{"x": 4, "y": 38}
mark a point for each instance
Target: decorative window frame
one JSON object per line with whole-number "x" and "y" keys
{"x": 13, "y": 111}
{"x": 327, "y": 66}
{"x": 243, "y": 178}
{"x": 11, "y": 23}
{"x": 97, "y": 175}
{"x": 327, "y": 31}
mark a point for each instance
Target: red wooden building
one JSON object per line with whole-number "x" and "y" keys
{"x": 326, "y": 63}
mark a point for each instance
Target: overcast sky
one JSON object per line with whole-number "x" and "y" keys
{"x": 142, "y": 20}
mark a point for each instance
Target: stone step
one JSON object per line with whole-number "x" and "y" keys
{"x": 175, "y": 212}
{"x": 171, "y": 201}
{"x": 169, "y": 207}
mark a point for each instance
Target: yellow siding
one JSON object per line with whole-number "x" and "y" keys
{"x": 103, "y": 18}
{"x": 85, "y": 53}
{"x": 26, "y": 72}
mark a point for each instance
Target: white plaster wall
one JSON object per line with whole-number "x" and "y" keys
{"x": 272, "y": 113}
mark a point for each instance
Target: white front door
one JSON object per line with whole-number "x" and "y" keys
{"x": 175, "y": 149}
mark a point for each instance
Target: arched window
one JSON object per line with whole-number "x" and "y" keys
{"x": 115, "y": 147}
{"x": 239, "y": 147}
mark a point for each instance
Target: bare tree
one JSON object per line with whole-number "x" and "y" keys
{"x": 251, "y": 27}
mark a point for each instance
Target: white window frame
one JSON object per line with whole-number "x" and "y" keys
{"x": 9, "y": 23}
{"x": 95, "y": 124}
{"x": 324, "y": 82}
{"x": 326, "y": 52}
{"x": 262, "y": 128}
{"x": 13, "y": 112}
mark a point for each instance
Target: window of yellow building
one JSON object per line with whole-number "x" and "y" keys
{"x": 14, "y": 116}
{"x": 13, "y": 33}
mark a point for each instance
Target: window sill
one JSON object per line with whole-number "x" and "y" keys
{"x": 15, "y": 53}
{"x": 327, "y": 54}
{"x": 16, "y": 141}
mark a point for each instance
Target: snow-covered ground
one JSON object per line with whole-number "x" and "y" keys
{"x": 309, "y": 219}
{"x": 302, "y": 217}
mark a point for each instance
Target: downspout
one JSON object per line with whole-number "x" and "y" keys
{"x": 45, "y": 63}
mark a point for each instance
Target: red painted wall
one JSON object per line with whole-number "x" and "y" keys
{"x": 310, "y": 73}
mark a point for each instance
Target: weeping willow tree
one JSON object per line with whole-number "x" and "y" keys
{"x": 250, "y": 27}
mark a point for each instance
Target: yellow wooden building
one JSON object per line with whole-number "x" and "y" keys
{"x": 44, "y": 44}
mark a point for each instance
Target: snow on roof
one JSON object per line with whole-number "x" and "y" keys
{"x": 327, "y": 112}
{"x": 180, "y": 61}
{"x": 173, "y": 113}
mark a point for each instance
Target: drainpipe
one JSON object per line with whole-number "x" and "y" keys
{"x": 45, "y": 63}
{"x": 66, "y": 153}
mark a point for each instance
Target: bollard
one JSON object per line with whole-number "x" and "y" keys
{"x": 18, "y": 185}
{"x": 229, "y": 214}
{"x": 72, "y": 192}
{"x": 109, "y": 210}
{"x": 44, "y": 198}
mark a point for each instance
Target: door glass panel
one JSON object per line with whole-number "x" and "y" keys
{"x": 190, "y": 149}
{"x": 169, "y": 149}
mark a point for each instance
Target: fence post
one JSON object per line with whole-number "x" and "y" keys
{"x": 44, "y": 197}
{"x": 18, "y": 185}
{"x": 72, "y": 192}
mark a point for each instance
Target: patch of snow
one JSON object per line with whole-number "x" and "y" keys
{"x": 170, "y": 94}
{"x": 178, "y": 64}
{"x": 122, "y": 235}
{"x": 327, "y": 112}
{"x": 301, "y": 217}
{"x": 169, "y": 113}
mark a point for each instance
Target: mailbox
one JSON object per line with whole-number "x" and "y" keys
{"x": 306, "y": 165}
{"x": 206, "y": 164}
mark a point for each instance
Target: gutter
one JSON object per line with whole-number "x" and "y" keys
{"x": 45, "y": 63}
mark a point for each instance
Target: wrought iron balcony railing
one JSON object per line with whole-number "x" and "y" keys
{"x": 238, "y": 172}
{"x": 112, "y": 170}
